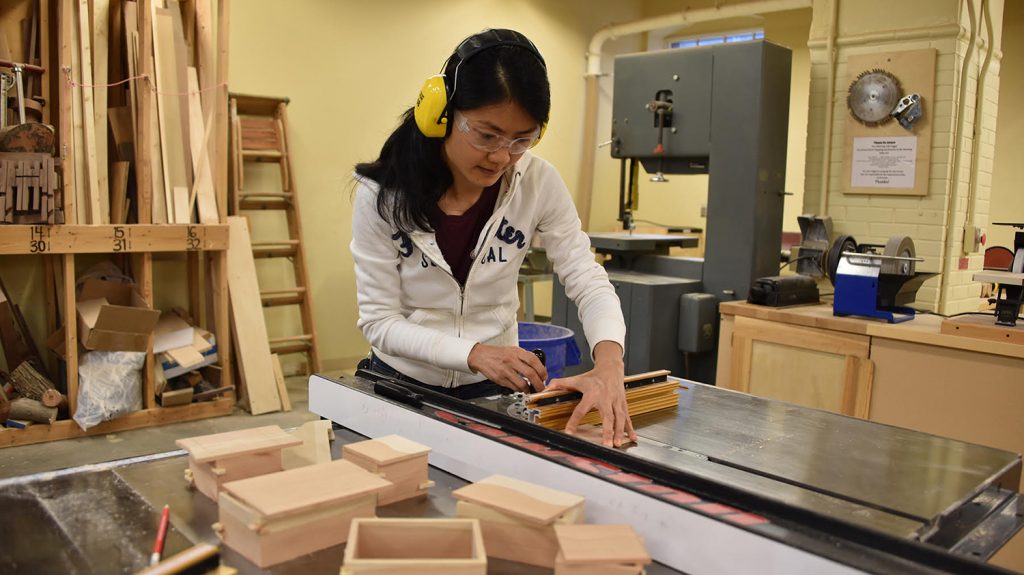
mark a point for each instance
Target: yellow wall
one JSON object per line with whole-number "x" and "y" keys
{"x": 1008, "y": 172}
{"x": 350, "y": 68}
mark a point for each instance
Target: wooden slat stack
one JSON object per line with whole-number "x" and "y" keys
{"x": 645, "y": 392}
{"x": 142, "y": 93}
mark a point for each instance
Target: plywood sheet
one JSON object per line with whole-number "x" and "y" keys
{"x": 298, "y": 490}
{"x": 250, "y": 329}
{"x": 232, "y": 443}
{"x": 532, "y": 503}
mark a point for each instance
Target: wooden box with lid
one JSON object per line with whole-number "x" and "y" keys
{"x": 395, "y": 458}
{"x": 276, "y": 517}
{"x": 415, "y": 546}
{"x": 214, "y": 460}
{"x": 599, "y": 550}
{"x": 518, "y": 518}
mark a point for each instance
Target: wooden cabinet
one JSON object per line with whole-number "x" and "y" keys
{"x": 834, "y": 368}
{"x": 909, "y": 375}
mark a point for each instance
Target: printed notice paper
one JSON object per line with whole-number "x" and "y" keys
{"x": 884, "y": 162}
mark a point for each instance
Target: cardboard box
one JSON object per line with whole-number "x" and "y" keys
{"x": 114, "y": 317}
{"x": 518, "y": 518}
{"x": 395, "y": 458}
{"x": 415, "y": 546}
{"x": 273, "y": 518}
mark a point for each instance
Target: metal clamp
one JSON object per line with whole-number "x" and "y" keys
{"x": 519, "y": 409}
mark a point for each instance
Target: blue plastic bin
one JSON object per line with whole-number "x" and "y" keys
{"x": 558, "y": 344}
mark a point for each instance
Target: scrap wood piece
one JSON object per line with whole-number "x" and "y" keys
{"x": 100, "y": 50}
{"x": 32, "y": 410}
{"x": 173, "y": 141}
{"x": 249, "y": 328}
{"x": 282, "y": 389}
{"x": 29, "y": 382}
{"x": 199, "y": 138}
{"x": 54, "y": 398}
{"x": 96, "y": 197}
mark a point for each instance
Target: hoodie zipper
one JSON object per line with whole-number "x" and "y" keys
{"x": 481, "y": 244}
{"x": 460, "y": 320}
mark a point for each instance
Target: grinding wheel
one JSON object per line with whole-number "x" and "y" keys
{"x": 835, "y": 253}
{"x": 901, "y": 246}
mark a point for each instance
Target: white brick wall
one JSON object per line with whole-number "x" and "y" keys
{"x": 872, "y": 219}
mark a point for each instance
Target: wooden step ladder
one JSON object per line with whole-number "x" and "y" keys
{"x": 259, "y": 133}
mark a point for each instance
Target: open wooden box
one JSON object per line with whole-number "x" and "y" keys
{"x": 395, "y": 458}
{"x": 518, "y": 518}
{"x": 273, "y": 518}
{"x": 599, "y": 550}
{"x": 415, "y": 546}
{"x": 214, "y": 460}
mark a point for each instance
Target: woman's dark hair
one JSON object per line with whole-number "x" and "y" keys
{"x": 411, "y": 170}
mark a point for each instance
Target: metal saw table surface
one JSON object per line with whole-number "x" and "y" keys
{"x": 892, "y": 479}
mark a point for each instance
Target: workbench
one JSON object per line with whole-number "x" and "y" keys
{"x": 907, "y": 374}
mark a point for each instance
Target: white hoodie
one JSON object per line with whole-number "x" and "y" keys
{"x": 421, "y": 322}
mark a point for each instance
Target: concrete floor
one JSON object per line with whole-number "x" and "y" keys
{"x": 55, "y": 455}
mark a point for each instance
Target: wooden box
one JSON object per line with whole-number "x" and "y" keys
{"x": 518, "y": 518}
{"x": 415, "y": 546}
{"x": 222, "y": 457}
{"x": 277, "y": 517}
{"x": 395, "y": 458}
{"x": 599, "y": 550}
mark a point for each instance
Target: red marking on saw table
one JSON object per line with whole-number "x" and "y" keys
{"x": 655, "y": 489}
{"x": 628, "y": 478}
{"x": 742, "y": 518}
{"x": 488, "y": 430}
{"x": 682, "y": 497}
{"x": 715, "y": 508}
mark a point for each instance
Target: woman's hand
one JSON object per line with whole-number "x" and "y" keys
{"x": 602, "y": 387}
{"x": 511, "y": 367}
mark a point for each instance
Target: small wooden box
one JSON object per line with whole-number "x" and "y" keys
{"x": 415, "y": 546}
{"x": 395, "y": 458}
{"x": 222, "y": 457}
{"x": 599, "y": 550}
{"x": 518, "y": 518}
{"x": 273, "y": 518}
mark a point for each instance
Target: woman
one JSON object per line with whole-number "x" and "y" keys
{"x": 442, "y": 222}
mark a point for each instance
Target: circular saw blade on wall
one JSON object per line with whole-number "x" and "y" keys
{"x": 873, "y": 96}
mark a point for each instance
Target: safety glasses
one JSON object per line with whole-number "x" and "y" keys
{"x": 489, "y": 142}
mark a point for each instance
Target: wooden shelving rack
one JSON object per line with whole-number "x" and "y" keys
{"x": 204, "y": 245}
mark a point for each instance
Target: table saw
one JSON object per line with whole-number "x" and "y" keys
{"x": 727, "y": 482}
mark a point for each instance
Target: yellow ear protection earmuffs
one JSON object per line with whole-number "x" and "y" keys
{"x": 432, "y": 105}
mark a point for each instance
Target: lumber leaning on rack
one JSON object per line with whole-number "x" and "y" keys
{"x": 653, "y": 391}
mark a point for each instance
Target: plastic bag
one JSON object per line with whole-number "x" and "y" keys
{"x": 109, "y": 385}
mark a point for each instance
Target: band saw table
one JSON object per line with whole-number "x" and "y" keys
{"x": 729, "y": 483}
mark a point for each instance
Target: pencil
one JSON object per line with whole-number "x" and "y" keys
{"x": 161, "y": 534}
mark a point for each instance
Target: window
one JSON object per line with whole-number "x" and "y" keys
{"x": 711, "y": 39}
